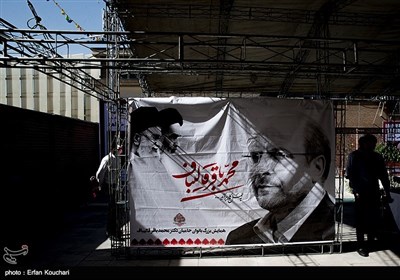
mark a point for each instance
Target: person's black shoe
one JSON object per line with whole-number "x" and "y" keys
{"x": 362, "y": 252}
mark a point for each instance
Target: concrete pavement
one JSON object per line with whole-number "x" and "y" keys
{"x": 82, "y": 249}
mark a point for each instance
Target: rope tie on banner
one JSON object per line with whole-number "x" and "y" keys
{"x": 67, "y": 17}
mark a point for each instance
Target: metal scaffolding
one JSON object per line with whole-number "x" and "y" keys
{"x": 116, "y": 114}
{"x": 342, "y": 59}
{"x": 40, "y": 50}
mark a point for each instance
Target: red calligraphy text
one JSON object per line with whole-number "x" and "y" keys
{"x": 201, "y": 181}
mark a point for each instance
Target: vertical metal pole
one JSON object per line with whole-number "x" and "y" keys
{"x": 118, "y": 132}
{"x": 355, "y": 53}
{"x": 181, "y": 54}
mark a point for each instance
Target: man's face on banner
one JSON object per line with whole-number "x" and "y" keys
{"x": 280, "y": 175}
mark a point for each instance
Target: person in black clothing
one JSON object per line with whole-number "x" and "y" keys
{"x": 365, "y": 168}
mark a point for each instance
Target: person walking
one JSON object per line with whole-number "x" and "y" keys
{"x": 365, "y": 168}
{"x": 106, "y": 175}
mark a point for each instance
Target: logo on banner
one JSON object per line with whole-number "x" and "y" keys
{"x": 179, "y": 220}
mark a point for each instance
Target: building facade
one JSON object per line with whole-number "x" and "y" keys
{"x": 30, "y": 89}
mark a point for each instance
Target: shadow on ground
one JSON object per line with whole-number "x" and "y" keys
{"x": 388, "y": 234}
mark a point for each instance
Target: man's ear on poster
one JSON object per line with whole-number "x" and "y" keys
{"x": 317, "y": 168}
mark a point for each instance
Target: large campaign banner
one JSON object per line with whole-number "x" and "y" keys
{"x": 220, "y": 172}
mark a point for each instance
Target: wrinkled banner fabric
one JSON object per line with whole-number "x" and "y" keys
{"x": 190, "y": 187}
